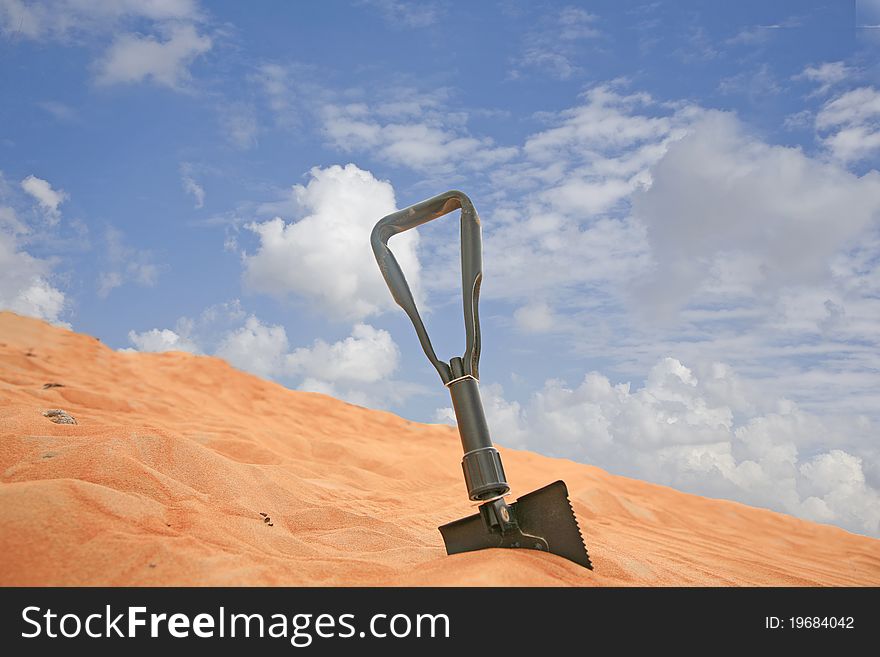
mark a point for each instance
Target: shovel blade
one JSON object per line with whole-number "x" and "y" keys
{"x": 546, "y": 522}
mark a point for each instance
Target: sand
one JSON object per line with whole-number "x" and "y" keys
{"x": 177, "y": 460}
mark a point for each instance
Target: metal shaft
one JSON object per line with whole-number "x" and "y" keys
{"x": 481, "y": 464}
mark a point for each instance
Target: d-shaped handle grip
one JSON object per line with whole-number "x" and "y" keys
{"x": 471, "y": 271}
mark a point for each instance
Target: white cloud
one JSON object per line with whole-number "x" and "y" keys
{"x": 856, "y": 106}
{"x": 22, "y": 19}
{"x": 190, "y": 186}
{"x": 561, "y": 233}
{"x": 195, "y": 335}
{"x": 25, "y": 286}
{"x": 762, "y": 256}
{"x": 798, "y": 120}
{"x": 825, "y": 75}
{"x": 256, "y": 347}
{"x": 607, "y": 119}
{"x": 26, "y": 282}
{"x": 134, "y": 58}
{"x": 403, "y": 125}
{"x": 850, "y": 124}
{"x": 325, "y": 257}
{"x": 162, "y": 340}
{"x": 657, "y": 229}
{"x": 357, "y": 369}
{"x": 759, "y": 255}
{"x": 425, "y": 143}
{"x": 228, "y": 311}
{"x": 835, "y": 482}
{"x": 734, "y": 216}
{"x": 681, "y": 430}
{"x": 318, "y": 385}
{"x": 154, "y": 40}
{"x": 366, "y": 356}
{"x": 9, "y": 220}
{"x": 536, "y": 317}
{"x": 59, "y": 19}
{"x": 48, "y": 198}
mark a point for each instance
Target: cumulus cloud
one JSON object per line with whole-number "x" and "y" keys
{"x": 256, "y": 347}
{"x": 746, "y": 251}
{"x": 48, "y": 198}
{"x": 195, "y": 335}
{"x": 679, "y": 429}
{"x": 324, "y": 257}
{"x": 623, "y": 211}
{"x": 358, "y": 368}
{"x": 26, "y": 282}
{"x": 738, "y": 217}
{"x": 162, "y": 340}
{"x": 25, "y": 286}
{"x": 368, "y": 355}
{"x": 850, "y": 124}
{"x": 134, "y": 58}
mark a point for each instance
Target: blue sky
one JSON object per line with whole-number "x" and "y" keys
{"x": 681, "y": 210}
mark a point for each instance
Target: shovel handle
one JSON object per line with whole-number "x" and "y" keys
{"x": 471, "y": 271}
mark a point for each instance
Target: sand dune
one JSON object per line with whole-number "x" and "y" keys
{"x": 175, "y": 458}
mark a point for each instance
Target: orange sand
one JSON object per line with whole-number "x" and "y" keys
{"x": 175, "y": 457}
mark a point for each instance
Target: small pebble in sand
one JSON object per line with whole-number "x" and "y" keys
{"x": 265, "y": 515}
{"x": 266, "y": 519}
{"x": 46, "y": 386}
{"x": 59, "y": 416}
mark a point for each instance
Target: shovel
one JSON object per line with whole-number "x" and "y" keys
{"x": 541, "y": 520}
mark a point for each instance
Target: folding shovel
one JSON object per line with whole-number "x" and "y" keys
{"x": 540, "y": 520}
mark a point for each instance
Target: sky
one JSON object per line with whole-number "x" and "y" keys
{"x": 680, "y": 205}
